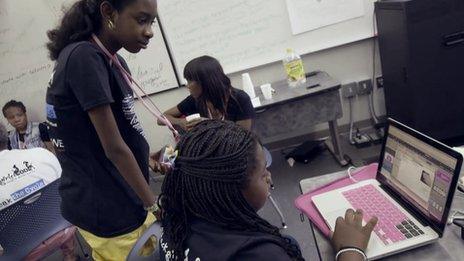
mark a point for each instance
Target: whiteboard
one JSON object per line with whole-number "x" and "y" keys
{"x": 323, "y": 13}
{"x": 25, "y": 68}
{"x": 244, "y": 34}
{"x": 152, "y": 67}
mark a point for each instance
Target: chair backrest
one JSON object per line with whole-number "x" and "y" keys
{"x": 154, "y": 230}
{"x": 27, "y": 223}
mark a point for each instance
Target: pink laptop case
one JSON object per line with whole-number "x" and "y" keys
{"x": 305, "y": 203}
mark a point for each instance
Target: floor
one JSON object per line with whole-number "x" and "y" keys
{"x": 286, "y": 180}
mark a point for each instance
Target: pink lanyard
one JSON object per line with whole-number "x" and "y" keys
{"x": 153, "y": 109}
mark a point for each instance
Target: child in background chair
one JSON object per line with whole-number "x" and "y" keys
{"x": 26, "y": 135}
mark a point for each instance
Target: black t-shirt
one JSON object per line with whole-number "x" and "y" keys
{"x": 95, "y": 196}
{"x": 43, "y": 130}
{"x": 239, "y": 107}
{"x": 211, "y": 242}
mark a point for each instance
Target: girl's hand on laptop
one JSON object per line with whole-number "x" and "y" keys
{"x": 349, "y": 232}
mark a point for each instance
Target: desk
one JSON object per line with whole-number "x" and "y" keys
{"x": 450, "y": 247}
{"x": 294, "y": 109}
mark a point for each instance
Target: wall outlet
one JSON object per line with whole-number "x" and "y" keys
{"x": 362, "y": 141}
{"x": 379, "y": 81}
{"x": 349, "y": 90}
{"x": 364, "y": 87}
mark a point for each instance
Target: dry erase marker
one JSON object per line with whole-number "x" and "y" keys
{"x": 313, "y": 86}
{"x": 282, "y": 218}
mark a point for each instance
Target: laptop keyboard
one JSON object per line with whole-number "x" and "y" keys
{"x": 393, "y": 226}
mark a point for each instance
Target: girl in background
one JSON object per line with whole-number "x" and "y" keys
{"x": 212, "y": 96}
{"x": 26, "y": 134}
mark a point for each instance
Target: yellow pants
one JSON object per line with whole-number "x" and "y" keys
{"x": 118, "y": 248}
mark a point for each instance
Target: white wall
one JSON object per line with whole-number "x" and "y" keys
{"x": 352, "y": 62}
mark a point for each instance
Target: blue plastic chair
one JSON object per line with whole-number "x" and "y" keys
{"x": 29, "y": 222}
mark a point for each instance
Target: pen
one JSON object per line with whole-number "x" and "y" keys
{"x": 282, "y": 218}
{"x": 313, "y": 86}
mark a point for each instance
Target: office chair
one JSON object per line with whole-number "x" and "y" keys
{"x": 268, "y": 157}
{"x": 29, "y": 222}
{"x": 154, "y": 230}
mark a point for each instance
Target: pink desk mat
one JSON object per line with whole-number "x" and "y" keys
{"x": 305, "y": 203}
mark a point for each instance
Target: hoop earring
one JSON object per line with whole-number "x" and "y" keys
{"x": 111, "y": 25}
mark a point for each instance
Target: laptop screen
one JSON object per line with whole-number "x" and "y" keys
{"x": 422, "y": 174}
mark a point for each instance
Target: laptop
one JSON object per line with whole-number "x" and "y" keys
{"x": 411, "y": 194}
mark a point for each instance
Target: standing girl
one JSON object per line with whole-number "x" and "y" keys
{"x": 100, "y": 142}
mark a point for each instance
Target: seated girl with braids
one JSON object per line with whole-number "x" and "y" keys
{"x": 211, "y": 198}
{"x": 212, "y": 96}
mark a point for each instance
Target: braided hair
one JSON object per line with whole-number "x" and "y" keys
{"x": 213, "y": 167}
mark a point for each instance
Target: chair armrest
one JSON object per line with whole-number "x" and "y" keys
{"x": 154, "y": 230}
